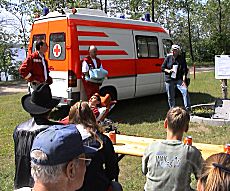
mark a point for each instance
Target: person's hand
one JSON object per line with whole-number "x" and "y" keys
{"x": 169, "y": 71}
{"x": 35, "y": 81}
{"x": 183, "y": 83}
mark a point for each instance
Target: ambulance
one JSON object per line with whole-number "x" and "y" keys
{"x": 131, "y": 51}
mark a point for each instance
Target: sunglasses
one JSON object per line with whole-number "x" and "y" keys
{"x": 87, "y": 161}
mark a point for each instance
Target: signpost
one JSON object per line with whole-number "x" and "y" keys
{"x": 222, "y": 72}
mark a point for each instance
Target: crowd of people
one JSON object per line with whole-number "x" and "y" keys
{"x": 75, "y": 154}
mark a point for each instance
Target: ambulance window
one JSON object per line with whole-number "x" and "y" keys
{"x": 57, "y": 46}
{"x": 167, "y": 46}
{"x": 36, "y": 38}
{"x": 147, "y": 47}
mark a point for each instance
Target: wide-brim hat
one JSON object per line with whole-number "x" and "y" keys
{"x": 40, "y": 101}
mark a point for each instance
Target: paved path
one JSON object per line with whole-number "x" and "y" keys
{"x": 20, "y": 87}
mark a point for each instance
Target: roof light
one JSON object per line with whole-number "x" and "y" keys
{"x": 45, "y": 11}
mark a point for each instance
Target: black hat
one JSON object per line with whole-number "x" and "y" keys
{"x": 40, "y": 101}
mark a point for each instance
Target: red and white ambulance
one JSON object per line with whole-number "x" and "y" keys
{"x": 131, "y": 51}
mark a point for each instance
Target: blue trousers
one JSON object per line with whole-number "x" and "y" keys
{"x": 170, "y": 88}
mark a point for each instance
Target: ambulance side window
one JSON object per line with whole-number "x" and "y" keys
{"x": 36, "y": 38}
{"x": 167, "y": 43}
{"x": 147, "y": 47}
{"x": 57, "y": 44}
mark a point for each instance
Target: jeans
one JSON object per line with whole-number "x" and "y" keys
{"x": 170, "y": 88}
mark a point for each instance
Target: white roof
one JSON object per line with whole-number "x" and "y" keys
{"x": 94, "y": 15}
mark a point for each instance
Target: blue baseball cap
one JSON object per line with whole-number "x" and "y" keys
{"x": 61, "y": 143}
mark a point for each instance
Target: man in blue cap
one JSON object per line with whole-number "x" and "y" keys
{"x": 58, "y": 159}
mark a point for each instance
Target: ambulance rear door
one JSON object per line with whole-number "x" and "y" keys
{"x": 148, "y": 63}
{"x": 58, "y": 58}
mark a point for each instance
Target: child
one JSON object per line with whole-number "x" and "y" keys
{"x": 94, "y": 104}
{"x": 168, "y": 164}
{"x": 215, "y": 174}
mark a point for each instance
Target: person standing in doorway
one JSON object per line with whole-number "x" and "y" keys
{"x": 90, "y": 62}
{"x": 175, "y": 69}
{"x": 35, "y": 68}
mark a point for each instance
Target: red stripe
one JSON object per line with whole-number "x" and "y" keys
{"x": 87, "y": 33}
{"x": 105, "y": 52}
{"x": 97, "y": 43}
{"x": 116, "y": 25}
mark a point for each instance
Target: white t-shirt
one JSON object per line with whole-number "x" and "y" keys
{"x": 44, "y": 66}
{"x": 85, "y": 66}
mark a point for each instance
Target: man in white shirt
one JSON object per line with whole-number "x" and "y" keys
{"x": 90, "y": 62}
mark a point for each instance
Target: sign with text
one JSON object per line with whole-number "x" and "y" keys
{"x": 222, "y": 66}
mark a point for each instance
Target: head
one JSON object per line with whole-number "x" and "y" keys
{"x": 41, "y": 46}
{"x": 58, "y": 158}
{"x": 92, "y": 51}
{"x": 95, "y": 100}
{"x": 81, "y": 113}
{"x": 40, "y": 102}
{"x": 215, "y": 175}
{"x": 175, "y": 50}
{"x": 177, "y": 120}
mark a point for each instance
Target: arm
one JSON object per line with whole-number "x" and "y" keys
{"x": 26, "y": 68}
{"x": 197, "y": 162}
{"x": 85, "y": 68}
{"x": 111, "y": 161}
{"x": 145, "y": 159}
{"x": 164, "y": 66}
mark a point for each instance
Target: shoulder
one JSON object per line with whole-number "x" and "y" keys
{"x": 87, "y": 58}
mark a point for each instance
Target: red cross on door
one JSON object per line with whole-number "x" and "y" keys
{"x": 57, "y": 50}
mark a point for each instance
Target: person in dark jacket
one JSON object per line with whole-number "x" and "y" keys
{"x": 104, "y": 165}
{"x": 175, "y": 69}
{"x": 39, "y": 104}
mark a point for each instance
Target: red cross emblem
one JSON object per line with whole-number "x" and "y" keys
{"x": 57, "y": 50}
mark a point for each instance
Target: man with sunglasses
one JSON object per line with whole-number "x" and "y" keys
{"x": 58, "y": 159}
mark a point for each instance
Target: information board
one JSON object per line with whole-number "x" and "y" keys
{"x": 222, "y": 66}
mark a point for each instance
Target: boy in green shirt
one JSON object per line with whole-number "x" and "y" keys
{"x": 168, "y": 164}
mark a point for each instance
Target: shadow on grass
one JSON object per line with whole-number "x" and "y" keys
{"x": 140, "y": 110}
{"x": 151, "y": 108}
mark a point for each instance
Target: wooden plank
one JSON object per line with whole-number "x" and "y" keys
{"x": 135, "y": 146}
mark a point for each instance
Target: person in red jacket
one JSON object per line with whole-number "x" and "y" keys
{"x": 91, "y": 61}
{"x": 35, "y": 68}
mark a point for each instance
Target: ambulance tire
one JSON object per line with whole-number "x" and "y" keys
{"x": 109, "y": 90}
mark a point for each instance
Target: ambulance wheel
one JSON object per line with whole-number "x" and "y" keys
{"x": 109, "y": 90}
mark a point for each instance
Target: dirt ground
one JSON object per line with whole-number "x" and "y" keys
{"x": 11, "y": 88}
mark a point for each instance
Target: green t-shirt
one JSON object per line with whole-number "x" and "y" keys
{"x": 168, "y": 165}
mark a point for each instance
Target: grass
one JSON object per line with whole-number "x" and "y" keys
{"x": 140, "y": 117}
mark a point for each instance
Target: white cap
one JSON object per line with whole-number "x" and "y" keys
{"x": 175, "y": 46}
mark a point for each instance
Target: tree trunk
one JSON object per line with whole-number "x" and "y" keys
{"x": 153, "y": 19}
{"x": 106, "y": 6}
{"x": 189, "y": 34}
{"x": 220, "y": 28}
{"x": 101, "y": 4}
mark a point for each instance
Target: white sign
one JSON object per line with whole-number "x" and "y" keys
{"x": 222, "y": 66}
{"x": 57, "y": 50}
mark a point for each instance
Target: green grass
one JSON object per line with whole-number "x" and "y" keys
{"x": 141, "y": 117}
